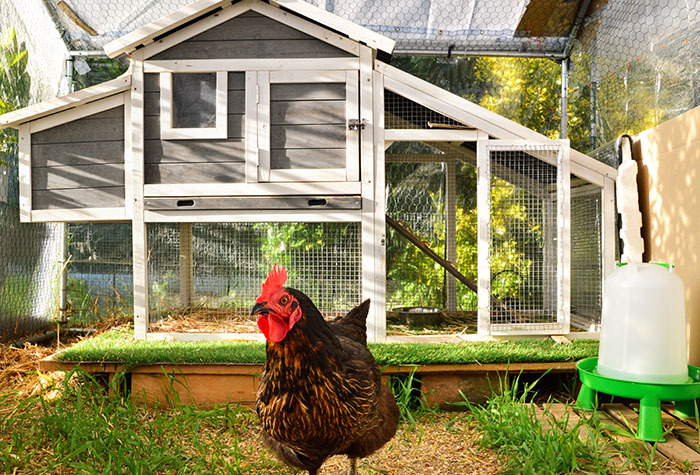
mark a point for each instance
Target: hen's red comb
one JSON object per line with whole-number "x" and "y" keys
{"x": 275, "y": 280}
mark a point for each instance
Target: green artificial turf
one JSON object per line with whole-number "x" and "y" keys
{"x": 119, "y": 345}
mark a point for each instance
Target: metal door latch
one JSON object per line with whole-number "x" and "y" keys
{"x": 356, "y": 124}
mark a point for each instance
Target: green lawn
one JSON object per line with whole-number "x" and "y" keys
{"x": 119, "y": 345}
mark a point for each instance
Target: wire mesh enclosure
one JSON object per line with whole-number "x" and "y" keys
{"x": 523, "y": 238}
{"x": 527, "y": 231}
{"x": 586, "y": 255}
{"x": 206, "y": 277}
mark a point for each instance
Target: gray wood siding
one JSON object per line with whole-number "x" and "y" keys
{"x": 307, "y": 126}
{"x": 80, "y": 164}
{"x": 251, "y": 36}
{"x": 195, "y": 161}
{"x": 110, "y": 197}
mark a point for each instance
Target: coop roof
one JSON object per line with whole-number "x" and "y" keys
{"x": 151, "y": 32}
{"x": 58, "y": 104}
{"x": 530, "y": 27}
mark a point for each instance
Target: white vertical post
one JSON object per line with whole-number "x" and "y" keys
{"x": 186, "y": 270}
{"x": 564, "y": 237}
{"x": 139, "y": 237}
{"x": 451, "y": 229}
{"x": 25, "y": 174}
{"x": 369, "y": 241}
{"x": 483, "y": 209}
{"x": 379, "y": 208}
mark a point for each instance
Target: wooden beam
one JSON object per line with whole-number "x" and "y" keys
{"x": 416, "y": 241}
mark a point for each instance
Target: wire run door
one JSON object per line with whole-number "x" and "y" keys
{"x": 524, "y": 217}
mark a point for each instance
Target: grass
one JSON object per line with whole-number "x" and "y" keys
{"x": 78, "y": 426}
{"x": 119, "y": 345}
{"x": 85, "y": 430}
{"x": 527, "y": 446}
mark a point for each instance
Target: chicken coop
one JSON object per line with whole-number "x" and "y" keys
{"x": 233, "y": 114}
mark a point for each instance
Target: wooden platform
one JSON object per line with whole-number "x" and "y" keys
{"x": 618, "y": 422}
{"x": 210, "y": 384}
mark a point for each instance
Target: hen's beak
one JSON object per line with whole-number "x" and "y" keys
{"x": 259, "y": 308}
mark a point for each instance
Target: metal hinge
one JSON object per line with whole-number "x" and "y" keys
{"x": 356, "y": 124}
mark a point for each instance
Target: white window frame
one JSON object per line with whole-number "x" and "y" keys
{"x": 351, "y": 171}
{"x": 168, "y": 132}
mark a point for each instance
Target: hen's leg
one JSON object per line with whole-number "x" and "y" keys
{"x": 353, "y": 466}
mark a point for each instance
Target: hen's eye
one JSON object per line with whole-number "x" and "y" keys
{"x": 284, "y": 300}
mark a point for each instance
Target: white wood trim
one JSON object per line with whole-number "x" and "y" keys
{"x": 263, "y": 129}
{"x": 483, "y": 198}
{"x": 177, "y": 336}
{"x": 609, "y": 234}
{"x": 587, "y": 174}
{"x": 24, "y": 165}
{"x": 370, "y": 195}
{"x": 128, "y": 159}
{"x": 464, "y": 111}
{"x": 168, "y": 132}
{"x": 312, "y": 29}
{"x": 564, "y": 237}
{"x": 353, "y": 30}
{"x": 352, "y": 137}
{"x": 380, "y": 205}
{"x": 253, "y": 189}
{"x": 52, "y": 106}
{"x": 253, "y": 216}
{"x": 293, "y": 77}
{"x": 274, "y": 64}
{"x": 177, "y": 37}
{"x": 308, "y": 174}
{"x": 139, "y": 235}
{"x": 81, "y": 214}
{"x": 145, "y": 34}
{"x": 85, "y": 110}
{"x": 251, "y": 127}
{"x": 430, "y": 135}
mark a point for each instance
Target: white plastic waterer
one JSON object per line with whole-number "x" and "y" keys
{"x": 643, "y": 328}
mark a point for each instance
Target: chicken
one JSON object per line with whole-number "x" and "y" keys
{"x": 320, "y": 392}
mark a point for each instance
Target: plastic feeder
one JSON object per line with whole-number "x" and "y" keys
{"x": 649, "y": 395}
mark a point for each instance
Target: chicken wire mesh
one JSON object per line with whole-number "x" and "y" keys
{"x": 431, "y": 190}
{"x": 206, "y": 277}
{"x": 523, "y": 234}
{"x": 586, "y": 255}
{"x": 30, "y": 263}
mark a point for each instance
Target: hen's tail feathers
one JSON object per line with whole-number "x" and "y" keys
{"x": 354, "y": 324}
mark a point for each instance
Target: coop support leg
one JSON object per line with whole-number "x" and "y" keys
{"x": 650, "y": 427}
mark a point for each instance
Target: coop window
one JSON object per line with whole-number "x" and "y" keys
{"x": 193, "y": 105}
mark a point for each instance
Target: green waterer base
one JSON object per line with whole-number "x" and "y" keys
{"x": 650, "y": 396}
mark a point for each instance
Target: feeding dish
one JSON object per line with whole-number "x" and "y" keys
{"x": 650, "y": 396}
{"x": 420, "y": 316}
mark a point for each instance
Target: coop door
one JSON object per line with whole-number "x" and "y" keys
{"x": 307, "y": 126}
{"x": 524, "y": 227}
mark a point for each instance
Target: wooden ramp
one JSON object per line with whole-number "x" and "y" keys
{"x": 617, "y": 423}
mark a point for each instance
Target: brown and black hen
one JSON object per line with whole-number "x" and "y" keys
{"x": 320, "y": 393}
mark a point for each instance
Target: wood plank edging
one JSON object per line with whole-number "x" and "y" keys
{"x": 50, "y": 364}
